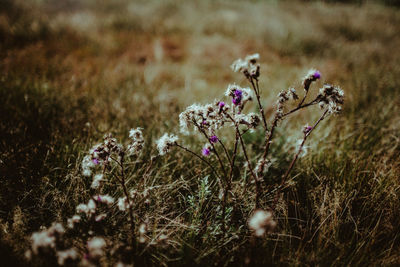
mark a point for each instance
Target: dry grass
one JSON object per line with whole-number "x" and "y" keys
{"x": 71, "y": 72}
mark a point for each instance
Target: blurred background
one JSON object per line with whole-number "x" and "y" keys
{"x": 72, "y": 70}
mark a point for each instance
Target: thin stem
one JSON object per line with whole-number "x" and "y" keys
{"x": 212, "y": 145}
{"x": 229, "y": 184}
{"x": 268, "y": 141}
{"x": 284, "y": 177}
{"x": 258, "y": 188}
{"x": 304, "y": 98}
{"x": 123, "y": 183}
{"x": 300, "y": 107}
{"x": 202, "y": 159}
{"x": 225, "y": 150}
{"x": 257, "y": 92}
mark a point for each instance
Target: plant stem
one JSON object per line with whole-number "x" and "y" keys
{"x": 215, "y": 151}
{"x": 284, "y": 177}
{"x": 229, "y": 184}
{"x": 257, "y": 92}
{"x": 130, "y": 204}
{"x": 202, "y": 159}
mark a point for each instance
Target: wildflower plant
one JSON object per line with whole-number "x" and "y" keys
{"x": 208, "y": 120}
{"x": 106, "y": 165}
{"x": 220, "y": 127}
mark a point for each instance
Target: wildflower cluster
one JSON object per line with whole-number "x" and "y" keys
{"x": 248, "y": 66}
{"x": 331, "y": 96}
{"x": 107, "y": 157}
{"x": 209, "y": 119}
{"x": 228, "y": 157}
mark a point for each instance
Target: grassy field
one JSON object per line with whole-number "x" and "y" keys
{"x": 71, "y": 71}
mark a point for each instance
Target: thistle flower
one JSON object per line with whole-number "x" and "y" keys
{"x": 122, "y": 204}
{"x": 251, "y": 120}
{"x": 64, "y": 255}
{"x": 96, "y": 246}
{"x": 333, "y": 96}
{"x": 96, "y": 181}
{"x": 206, "y": 150}
{"x": 252, "y": 59}
{"x": 214, "y": 139}
{"x": 262, "y": 167}
{"x": 47, "y": 237}
{"x": 72, "y": 221}
{"x": 42, "y": 239}
{"x": 261, "y": 222}
{"x": 105, "y": 199}
{"x": 88, "y": 209}
{"x": 248, "y": 66}
{"x": 307, "y": 129}
{"x": 311, "y": 76}
{"x": 165, "y": 143}
{"x": 239, "y": 95}
{"x": 137, "y": 143}
{"x": 87, "y": 165}
{"x": 209, "y": 117}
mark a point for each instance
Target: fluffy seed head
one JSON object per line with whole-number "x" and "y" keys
{"x": 261, "y": 222}
{"x": 165, "y": 143}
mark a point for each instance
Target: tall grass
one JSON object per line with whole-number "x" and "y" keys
{"x": 70, "y": 73}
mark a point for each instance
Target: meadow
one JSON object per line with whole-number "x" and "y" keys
{"x": 72, "y": 71}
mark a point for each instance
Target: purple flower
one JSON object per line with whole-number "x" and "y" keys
{"x": 214, "y": 139}
{"x": 221, "y": 104}
{"x": 307, "y": 129}
{"x": 205, "y": 151}
{"x": 98, "y": 198}
{"x": 317, "y": 74}
{"x": 238, "y": 93}
{"x": 236, "y": 100}
{"x": 95, "y": 161}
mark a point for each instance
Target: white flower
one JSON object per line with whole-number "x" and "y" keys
{"x": 63, "y": 255}
{"x": 95, "y": 246}
{"x": 239, "y": 65}
{"x": 261, "y": 221}
{"x": 88, "y": 209}
{"x": 136, "y": 136}
{"x": 106, "y": 199}
{"x": 72, "y": 221}
{"x": 96, "y": 181}
{"x": 165, "y": 143}
{"x": 42, "y": 239}
{"x": 122, "y": 204}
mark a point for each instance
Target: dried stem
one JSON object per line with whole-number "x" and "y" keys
{"x": 202, "y": 159}
{"x": 257, "y": 92}
{"x": 284, "y": 177}
{"x": 130, "y": 206}
{"x": 225, "y": 150}
{"x": 215, "y": 151}
{"x": 229, "y": 183}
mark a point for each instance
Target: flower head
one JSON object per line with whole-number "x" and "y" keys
{"x": 311, "y": 76}
{"x": 137, "y": 141}
{"x": 206, "y": 150}
{"x": 261, "y": 221}
{"x": 165, "y": 143}
{"x": 214, "y": 139}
